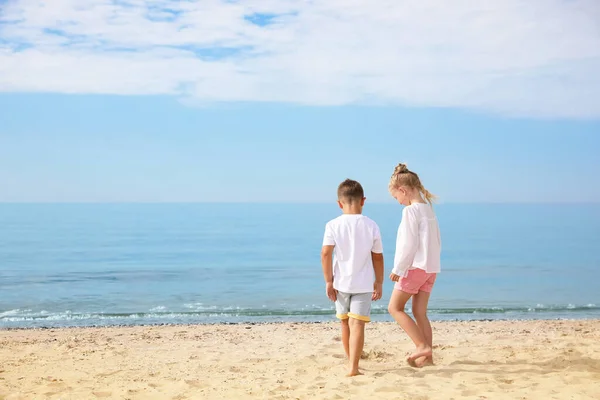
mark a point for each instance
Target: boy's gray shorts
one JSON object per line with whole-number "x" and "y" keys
{"x": 353, "y": 305}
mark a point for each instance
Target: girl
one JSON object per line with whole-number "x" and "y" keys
{"x": 417, "y": 261}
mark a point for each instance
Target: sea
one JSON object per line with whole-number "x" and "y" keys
{"x": 65, "y": 265}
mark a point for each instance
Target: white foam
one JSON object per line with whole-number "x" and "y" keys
{"x": 199, "y": 306}
{"x": 9, "y": 313}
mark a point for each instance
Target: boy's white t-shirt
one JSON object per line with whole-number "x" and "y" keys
{"x": 354, "y": 237}
{"x": 418, "y": 244}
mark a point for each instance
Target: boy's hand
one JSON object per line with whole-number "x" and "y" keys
{"x": 331, "y": 292}
{"x": 377, "y": 291}
{"x": 394, "y": 277}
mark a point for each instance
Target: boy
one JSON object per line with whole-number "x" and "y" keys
{"x": 354, "y": 277}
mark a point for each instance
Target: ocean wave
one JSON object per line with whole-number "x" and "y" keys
{"x": 198, "y": 313}
{"x": 9, "y": 313}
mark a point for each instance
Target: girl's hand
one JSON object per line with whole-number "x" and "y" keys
{"x": 394, "y": 277}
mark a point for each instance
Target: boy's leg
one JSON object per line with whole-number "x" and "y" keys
{"x": 360, "y": 313}
{"x": 357, "y": 342}
{"x": 346, "y": 337}
{"x": 342, "y": 308}
{"x": 419, "y": 307}
{"x": 396, "y": 309}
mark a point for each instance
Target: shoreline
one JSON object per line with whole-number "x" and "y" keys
{"x": 26, "y": 318}
{"x": 554, "y": 359}
{"x": 252, "y": 323}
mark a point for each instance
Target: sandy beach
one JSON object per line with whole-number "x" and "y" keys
{"x": 474, "y": 360}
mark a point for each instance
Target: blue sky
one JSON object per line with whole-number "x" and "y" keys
{"x": 115, "y": 148}
{"x": 281, "y": 100}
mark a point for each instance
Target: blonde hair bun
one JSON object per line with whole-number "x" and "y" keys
{"x": 400, "y": 169}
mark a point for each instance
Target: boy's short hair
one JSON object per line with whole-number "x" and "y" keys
{"x": 350, "y": 191}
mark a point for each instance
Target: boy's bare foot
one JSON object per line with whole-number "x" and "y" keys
{"x": 354, "y": 373}
{"x": 424, "y": 351}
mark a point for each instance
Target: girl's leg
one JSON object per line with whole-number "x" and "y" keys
{"x": 419, "y": 308}
{"x": 396, "y": 309}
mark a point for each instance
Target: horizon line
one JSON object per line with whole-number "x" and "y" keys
{"x": 289, "y": 202}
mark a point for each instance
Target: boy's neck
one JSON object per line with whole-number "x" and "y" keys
{"x": 352, "y": 209}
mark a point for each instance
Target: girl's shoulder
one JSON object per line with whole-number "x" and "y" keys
{"x": 419, "y": 210}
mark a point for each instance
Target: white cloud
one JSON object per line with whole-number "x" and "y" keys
{"x": 535, "y": 58}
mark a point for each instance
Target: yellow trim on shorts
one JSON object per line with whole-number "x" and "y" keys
{"x": 359, "y": 317}
{"x": 342, "y": 316}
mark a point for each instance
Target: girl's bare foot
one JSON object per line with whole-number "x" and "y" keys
{"x": 424, "y": 362}
{"x": 424, "y": 351}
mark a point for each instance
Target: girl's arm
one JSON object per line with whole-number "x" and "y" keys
{"x": 439, "y": 237}
{"x": 407, "y": 242}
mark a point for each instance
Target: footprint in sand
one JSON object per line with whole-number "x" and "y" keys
{"x": 195, "y": 383}
{"x": 281, "y": 388}
{"x": 506, "y": 381}
{"x": 105, "y": 374}
{"x": 102, "y": 394}
{"x": 375, "y": 355}
{"x": 386, "y": 389}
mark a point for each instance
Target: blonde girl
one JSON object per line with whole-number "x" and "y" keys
{"x": 417, "y": 261}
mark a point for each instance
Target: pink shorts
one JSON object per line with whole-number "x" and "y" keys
{"x": 416, "y": 280}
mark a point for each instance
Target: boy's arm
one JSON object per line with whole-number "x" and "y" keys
{"x": 377, "y": 258}
{"x": 327, "y": 264}
{"x": 378, "y": 267}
